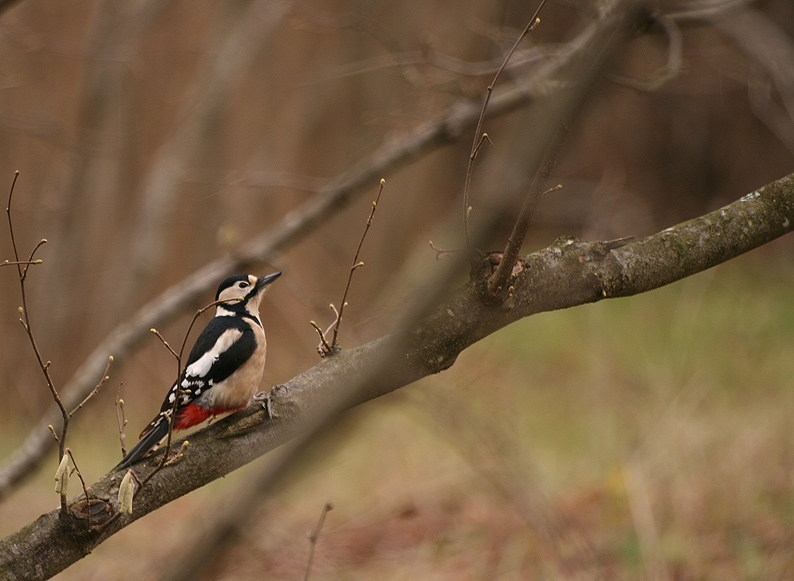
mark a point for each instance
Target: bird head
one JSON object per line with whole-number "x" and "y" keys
{"x": 247, "y": 289}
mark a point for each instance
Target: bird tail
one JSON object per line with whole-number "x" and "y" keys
{"x": 149, "y": 441}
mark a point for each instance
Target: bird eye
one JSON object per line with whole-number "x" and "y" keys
{"x": 243, "y": 284}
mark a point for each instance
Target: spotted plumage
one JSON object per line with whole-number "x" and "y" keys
{"x": 224, "y": 368}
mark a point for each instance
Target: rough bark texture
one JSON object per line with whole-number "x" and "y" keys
{"x": 568, "y": 273}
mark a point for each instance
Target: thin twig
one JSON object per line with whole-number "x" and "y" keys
{"x": 314, "y": 537}
{"x": 478, "y": 135}
{"x": 25, "y": 320}
{"x": 442, "y": 253}
{"x": 20, "y": 262}
{"x": 121, "y": 421}
{"x": 10, "y": 224}
{"x": 82, "y": 482}
{"x": 498, "y": 282}
{"x": 105, "y": 377}
{"x": 324, "y": 348}
{"x": 22, "y": 271}
{"x": 30, "y": 260}
{"x": 356, "y": 264}
{"x": 165, "y": 343}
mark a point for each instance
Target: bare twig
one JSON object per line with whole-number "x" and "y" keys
{"x": 82, "y": 483}
{"x": 165, "y": 343}
{"x": 22, "y": 271}
{"x": 315, "y": 536}
{"x": 25, "y": 320}
{"x": 568, "y": 106}
{"x": 121, "y": 421}
{"x": 504, "y": 270}
{"x": 10, "y": 224}
{"x": 356, "y": 264}
{"x": 325, "y": 348}
{"x": 20, "y": 262}
{"x": 105, "y": 377}
{"x": 442, "y": 253}
{"x": 478, "y": 138}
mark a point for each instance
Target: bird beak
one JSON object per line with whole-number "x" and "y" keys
{"x": 263, "y": 281}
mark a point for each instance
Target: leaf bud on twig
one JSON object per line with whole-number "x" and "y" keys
{"x": 126, "y": 493}
{"x": 62, "y": 476}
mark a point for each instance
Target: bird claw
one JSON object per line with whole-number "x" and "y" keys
{"x": 265, "y": 399}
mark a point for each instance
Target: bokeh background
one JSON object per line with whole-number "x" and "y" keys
{"x": 648, "y": 437}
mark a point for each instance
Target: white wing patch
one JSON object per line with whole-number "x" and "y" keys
{"x": 201, "y": 366}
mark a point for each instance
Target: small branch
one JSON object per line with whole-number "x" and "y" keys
{"x": 82, "y": 482}
{"x": 22, "y": 272}
{"x": 315, "y": 536}
{"x": 356, "y": 264}
{"x": 324, "y": 348}
{"x": 105, "y": 377}
{"x": 30, "y": 260}
{"x": 482, "y": 140}
{"x": 442, "y": 253}
{"x": 475, "y": 148}
{"x": 504, "y": 270}
{"x": 20, "y": 262}
{"x": 178, "y": 454}
{"x": 165, "y": 343}
{"x": 10, "y": 224}
{"x": 121, "y": 421}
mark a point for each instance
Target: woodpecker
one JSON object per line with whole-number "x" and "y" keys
{"x": 224, "y": 368}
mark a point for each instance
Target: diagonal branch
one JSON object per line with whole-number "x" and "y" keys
{"x": 568, "y": 273}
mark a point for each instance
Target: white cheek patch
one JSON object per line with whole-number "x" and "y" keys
{"x": 201, "y": 366}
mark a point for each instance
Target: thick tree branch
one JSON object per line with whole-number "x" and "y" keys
{"x": 568, "y": 273}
